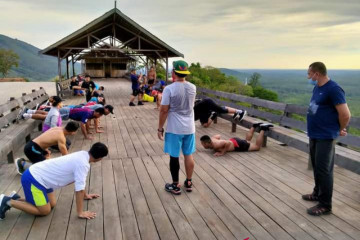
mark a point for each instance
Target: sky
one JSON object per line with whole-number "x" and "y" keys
{"x": 259, "y": 34}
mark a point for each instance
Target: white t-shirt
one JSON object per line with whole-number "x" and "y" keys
{"x": 59, "y": 172}
{"x": 180, "y": 97}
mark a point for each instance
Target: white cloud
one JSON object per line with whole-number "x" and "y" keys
{"x": 229, "y": 33}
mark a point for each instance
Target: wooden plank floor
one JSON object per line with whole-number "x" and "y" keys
{"x": 238, "y": 196}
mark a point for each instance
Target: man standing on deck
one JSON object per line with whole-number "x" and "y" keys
{"x": 89, "y": 86}
{"x": 177, "y": 106}
{"x": 327, "y": 117}
{"x": 135, "y": 86}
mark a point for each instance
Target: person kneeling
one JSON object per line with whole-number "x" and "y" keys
{"x": 236, "y": 144}
{"x": 40, "y": 179}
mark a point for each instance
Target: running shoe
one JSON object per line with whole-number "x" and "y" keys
{"x": 19, "y": 166}
{"x": 213, "y": 115}
{"x": 140, "y": 103}
{"x": 188, "y": 185}
{"x": 266, "y": 126}
{"x": 14, "y": 196}
{"x": 3, "y": 206}
{"x": 173, "y": 188}
{"x": 238, "y": 116}
{"x": 257, "y": 124}
{"x": 132, "y": 104}
{"x": 21, "y": 112}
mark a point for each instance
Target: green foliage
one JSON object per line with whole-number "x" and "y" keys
{"x": 8, "y": 59}
{"x": 213, "y": 78}
{"x": 255, "y": 80}
{"x": 266, "y": 94}
{"x": 32, "y": 65}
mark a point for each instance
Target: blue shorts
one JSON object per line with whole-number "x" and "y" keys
{"x": 175, "y": 142}
{"x": 76, "y": 91}
{"x": 35, "y": 193}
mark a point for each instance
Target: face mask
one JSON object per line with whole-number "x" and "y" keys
{"x": 311, "y": 82}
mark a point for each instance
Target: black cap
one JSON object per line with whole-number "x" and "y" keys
{"x": 110, "y": 108}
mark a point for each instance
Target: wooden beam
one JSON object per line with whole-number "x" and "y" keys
{"x": 128, "y": 41}
{"x": 136, "y": 34}
{"x": 73, "y": 65}
{"x": 167, "y": 66}
{"x": 67, "y": 67}
{"x": 59, "y": 72}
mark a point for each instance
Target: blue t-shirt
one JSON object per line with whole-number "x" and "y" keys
{"x": 322, "y": 116}
{"x": 81, "y": 114}
{"x": 134, "y": 80}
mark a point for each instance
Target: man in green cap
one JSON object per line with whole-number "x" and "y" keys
{"x": 177, "y": 106}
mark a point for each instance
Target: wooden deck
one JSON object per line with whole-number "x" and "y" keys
{"x": 241, "y": 195}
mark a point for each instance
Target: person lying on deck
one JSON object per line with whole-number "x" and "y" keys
{"x": 206, "y": 110}
{"x": 37, "y": 150}
{"x": 41, "y": 179}
{"x": 236, "y": 144}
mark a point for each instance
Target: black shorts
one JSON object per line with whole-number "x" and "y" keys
{"x": 151, "y": 81}
{"x": 34, "y": 152}
{"x": 240, "y": 145}
{"x": 136, "y": 92}
{"x": 204, "y": 108}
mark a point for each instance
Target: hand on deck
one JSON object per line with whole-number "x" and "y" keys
{"x": 91, "y": 196}
{"x": 87, "y": 215}
{"x": 218, "y": 154}
{"x": 89, "y": 138}
{"x": 99, "y": 131}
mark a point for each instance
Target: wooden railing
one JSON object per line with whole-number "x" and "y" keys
{"x": 286, "y": 115}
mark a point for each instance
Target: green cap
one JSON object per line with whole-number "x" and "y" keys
{"x": 181, "y": 67}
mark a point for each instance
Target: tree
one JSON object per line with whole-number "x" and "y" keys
{"x": 8, "y": 58}
{"x": 255, "y": 80}
{"x": 266, "y": 94}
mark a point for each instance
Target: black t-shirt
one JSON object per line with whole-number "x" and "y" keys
{"x": 75, "y": 83}
{"x": 89, "y": 86}
{"x": 202, "y": 111}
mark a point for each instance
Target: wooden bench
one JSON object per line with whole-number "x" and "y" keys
{"x": 288, "y": 129}
{"x": 14, "y": 133}
{"x": 63, "y": 88}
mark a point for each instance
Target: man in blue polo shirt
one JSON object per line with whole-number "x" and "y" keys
{"x": 135, "y": 86}
{"x": 327, "y": 118}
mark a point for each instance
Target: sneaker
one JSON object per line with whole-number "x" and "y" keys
{"x": 318, "y": 210}
{"x": 131, "y": 104}
{"x": 3, "y": 206}
{"x": 140, "y": 103}
{"x": 188, "y": 185}
{"x": 266, "y": 126}
{"x": 238, "y": 116}
{"x": 21, "y": 112}
{"x": 172, "y": 188}
{"x": 213, "y": 115}
{"x": 14, "y": 196}
{"x": 257, "y": 124}
{"x": 26, "y": 116}
{"x": 37, "y": 106}
{"x": 19, "y": 167}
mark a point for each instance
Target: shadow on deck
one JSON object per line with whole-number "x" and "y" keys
{"x": 241, "y": 195}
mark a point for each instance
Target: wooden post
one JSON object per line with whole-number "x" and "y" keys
{"x": 233, "y": 127}
{"x": 73, "y": 65}
{"x": 167, "y": 66}
{"x": 67, "y": 67}
{"x": 59, "y": 72}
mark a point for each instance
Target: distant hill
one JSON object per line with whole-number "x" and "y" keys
{"x": 236, "y": 73}
{"x": 32, "y": 65}
{"x": 293, "y": 87}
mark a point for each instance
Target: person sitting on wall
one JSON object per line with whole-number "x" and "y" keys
{"x": 75, "y": 86}
{"x": 222, "y": 146}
